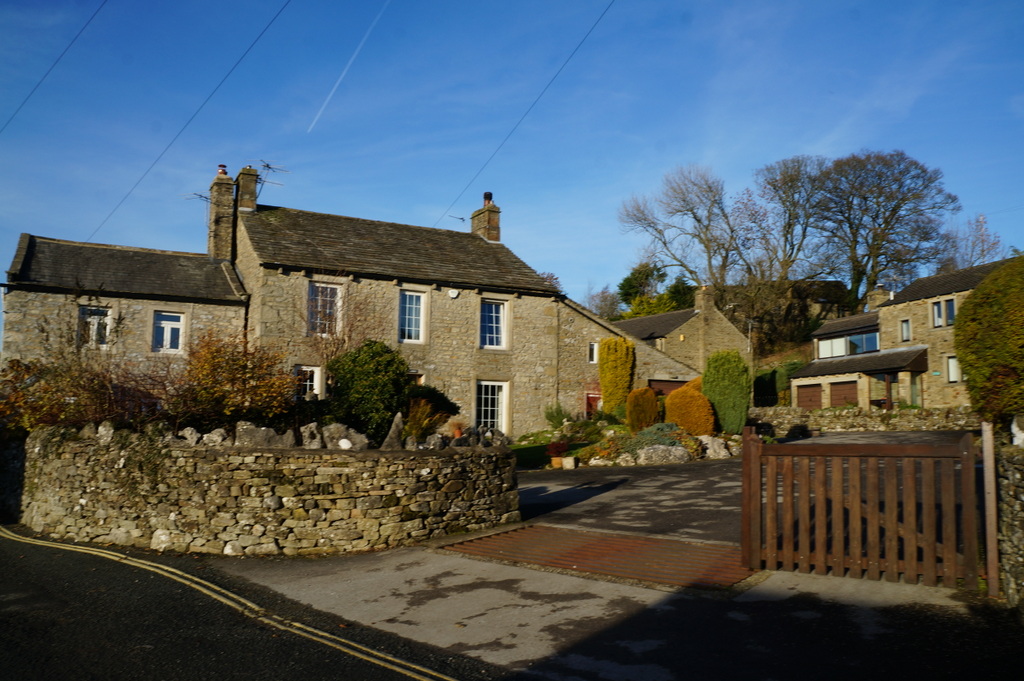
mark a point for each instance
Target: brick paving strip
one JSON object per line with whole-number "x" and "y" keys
{"x": 646, "y": 559}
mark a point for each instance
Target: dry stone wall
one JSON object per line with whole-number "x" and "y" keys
{"x": 132, "y": 490}
{"x": 1010, "y": 467}
{"x": 796, "y": 422}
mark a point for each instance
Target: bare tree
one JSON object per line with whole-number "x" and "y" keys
{"x": 604, "y": 303}
{"x": 969, "y": 245}
{"x": 689, "y": 225}
{"x": 881, "y": 213}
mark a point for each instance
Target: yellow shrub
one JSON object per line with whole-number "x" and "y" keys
{"x": 690, "y": 410}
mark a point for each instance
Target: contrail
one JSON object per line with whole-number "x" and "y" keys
{"x": 348, "y": 65}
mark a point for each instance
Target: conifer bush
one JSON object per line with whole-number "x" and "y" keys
{"x": 371, "y": 385}
{"x": 989, "y": 339}
{"x": 726, "y": 383}
{"x": 641, "y": 409}
{"x": 616, "y": 359}
{"x": 690, "y": 411}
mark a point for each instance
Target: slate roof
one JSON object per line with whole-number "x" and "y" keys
{"x": 335, "y": 243}
{"x": 843, "y": 326}
{"x": 914, "y": 358}
{"x": 656, "y": 325}
{"x": 966, "y": 279}
{"x": 122, "y": 271}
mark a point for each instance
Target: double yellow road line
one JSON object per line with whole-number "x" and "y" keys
{"x": 247, "y": 608}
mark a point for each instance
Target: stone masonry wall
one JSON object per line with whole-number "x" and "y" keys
{"x": 797, "y": 422}
{"x": 131, "y": 490}
{"x": 37, "y": 321}
{"x": 1010, "y": 467}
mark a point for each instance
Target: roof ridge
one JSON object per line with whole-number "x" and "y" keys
{"x": 87, "y": 244}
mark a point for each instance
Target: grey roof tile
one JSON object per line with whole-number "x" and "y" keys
{"x": 121, "y": 270}
{"x": 842, "y": 326}
{"x": 900, "y": 359}
{"x": 944, "y": 284}
{"x": 656, "y": 325}
{"x": 335, "y": 243}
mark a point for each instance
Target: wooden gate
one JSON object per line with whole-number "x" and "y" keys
{"x": 862, "y": 510}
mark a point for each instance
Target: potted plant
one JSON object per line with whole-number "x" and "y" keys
{"x": 556, "y": 450}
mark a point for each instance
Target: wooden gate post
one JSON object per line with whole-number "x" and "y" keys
{"x": 750, "y": 530}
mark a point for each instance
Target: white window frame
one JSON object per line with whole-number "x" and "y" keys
{"x": 593, "y": 352}
{"x": 93, "y": 326}
{"x": 315, "y": 373}
{"x": 492, "y": 405}
{"x": 420, "y": 327}
{"x": 953, "y": 373}
{"x": 906, "y": 331}
{"x": 827, "y": 347}
{"x": 164, "y": 338}
{"x": 487, "y": 327}
{"x": 317, "y": 322}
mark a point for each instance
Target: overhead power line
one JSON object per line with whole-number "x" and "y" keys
{"x": 526, "y": 113}
{"x": 190, "y": 119}
{"x": 52, "y": 67}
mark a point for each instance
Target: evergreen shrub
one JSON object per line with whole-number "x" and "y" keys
{"x": 641, "y": 409}
{"x": 690, "y": 410}
{"x": 726, "y": 383}
{"x": 616, "y": 359}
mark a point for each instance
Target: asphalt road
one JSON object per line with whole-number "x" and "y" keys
{"x": 72, "y": 615}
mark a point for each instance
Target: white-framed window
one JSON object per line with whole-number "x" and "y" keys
{"x": 93, "y": 326}
{"x": 322, "y": 310}
{"x": 905, "y": 330}
{"x": 410, "y": 316}
{"x": 492, "y": 405}
{"x": 168, "y": 329}
{"x": 944, "y": 312}
{"x": 953, "y": 370}
{"x": 492, "y": 323}
{"x": 592, "y": 350}
{"x": 831, "y": 347}
{"x": 310, "y": 380}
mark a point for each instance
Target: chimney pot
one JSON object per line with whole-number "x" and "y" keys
{"x": 488, "y": 198}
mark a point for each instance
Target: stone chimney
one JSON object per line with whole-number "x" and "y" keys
{"x": 486, "y": 222}
{"x": 221, "y": 228}
{"x": 876, "y": 297}
{"x": 247, "y": 178}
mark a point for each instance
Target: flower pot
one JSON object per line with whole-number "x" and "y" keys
{"x": 556, "y": 462}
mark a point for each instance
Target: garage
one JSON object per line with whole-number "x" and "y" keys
{"x": 808, "y": 396}
{"x": 843, "y": 394}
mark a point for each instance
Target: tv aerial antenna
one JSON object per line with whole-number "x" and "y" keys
{"x": 267, "y": 168}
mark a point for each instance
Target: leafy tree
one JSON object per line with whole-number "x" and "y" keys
{"x": 642, "y": 306}
{"x": 989, "y": 339}
{"x": 726, "y": 383}
{"x": 882, "y": 214}
{"x": 370, "y": 386}
{"x": 226, "y": 379}
{"x": 641, "y": 282}
{"x": 616, "y": 360}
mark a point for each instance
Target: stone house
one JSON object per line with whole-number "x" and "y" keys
{"x": 899, "y": 351}
{"x": 466, "y": 313}
{"x": 689, "y": 336}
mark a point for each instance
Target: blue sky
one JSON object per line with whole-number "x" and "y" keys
{"x": 434, "y": 88}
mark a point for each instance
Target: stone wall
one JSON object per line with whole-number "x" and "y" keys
{"x": 938, "y": 390}
{"x": 35, "y": 323}
{"x": 133, "y": 490}
{"x": 795, "y": 422}
{"x": 1010, "y": 466}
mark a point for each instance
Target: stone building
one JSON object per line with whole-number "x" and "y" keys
{"x": 689, "y": 336}
{"x": 467, "y": 314}
{"x": 900, "y": 351}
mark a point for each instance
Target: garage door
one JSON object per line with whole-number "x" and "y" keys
{"x": 808, "y": 396}
{"x": 843, "y": 394}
